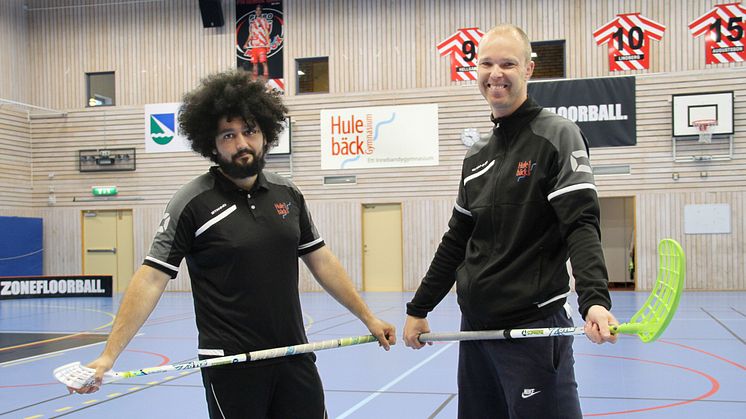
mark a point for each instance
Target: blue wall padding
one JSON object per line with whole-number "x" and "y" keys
{"x": 21, "y": 246}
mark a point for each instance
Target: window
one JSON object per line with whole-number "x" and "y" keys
{"x": 100, "y": 89}
{"x": 549, "y": 57}
{"x": 313, "y": 75}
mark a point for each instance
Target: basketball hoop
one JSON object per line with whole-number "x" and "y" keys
{"x": 704, "y": 127}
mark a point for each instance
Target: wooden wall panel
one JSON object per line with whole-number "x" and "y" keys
{"x": 15, "y": 158}
{"x": 63, "y": 246}
{"x": 714, "y": 261}
{"x": 336, "y": 208}
{"x": 15, "y": 65}
{"x": 159, "y": 48}
{"x": 423, "y": 225}
{"x": 58, "y": 140}
{"x": 339, "y": 224}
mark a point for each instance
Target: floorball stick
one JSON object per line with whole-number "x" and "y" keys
{"x": 77, "y": 376}
{"x": 648, "y": 323}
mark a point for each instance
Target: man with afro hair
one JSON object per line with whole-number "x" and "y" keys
{"x": 240, "y": 230}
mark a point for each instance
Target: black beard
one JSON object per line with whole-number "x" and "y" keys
{"x": 242, "y": 171}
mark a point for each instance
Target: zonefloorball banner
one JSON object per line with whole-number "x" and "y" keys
{"x": 55, "y": 286}
{"x": 603, "y": 108}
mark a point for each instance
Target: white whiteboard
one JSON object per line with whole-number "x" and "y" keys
{"x": 707, "y": 219}
{"x": 283, "y": 145}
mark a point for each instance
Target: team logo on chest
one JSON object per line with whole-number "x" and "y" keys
{"x": 282, "y": 208}
{"x": 524, "y": 169}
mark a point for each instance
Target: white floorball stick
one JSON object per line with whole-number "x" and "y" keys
{"x": 77, "y": 376}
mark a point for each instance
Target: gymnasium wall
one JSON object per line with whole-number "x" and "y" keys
{"x": 377, "y": 57}
{"x": 15, "y": 64}
{"x": 426, "y": 195}
{"x": 15, "y": 158}
{"x": 158, "y": 49}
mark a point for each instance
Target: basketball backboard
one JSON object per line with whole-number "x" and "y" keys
{"x": 688, "y": 108}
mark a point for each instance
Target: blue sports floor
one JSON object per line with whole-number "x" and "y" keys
{"x": 696, "y": 370}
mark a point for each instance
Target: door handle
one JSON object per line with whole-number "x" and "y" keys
{"x": 112, "y": 250}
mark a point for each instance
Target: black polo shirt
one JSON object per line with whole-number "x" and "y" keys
{"x": 242, "y": 252}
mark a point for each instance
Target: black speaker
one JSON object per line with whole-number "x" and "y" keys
{"x": 212, "y": 13}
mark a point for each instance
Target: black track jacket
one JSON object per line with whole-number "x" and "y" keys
{"x": 526, "y": 201}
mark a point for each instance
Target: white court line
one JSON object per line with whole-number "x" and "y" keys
{"x": 25, "y": 360}
{"x": 51, "y": 354}
{"x": 53, "y": 332}
{"x": 392, "y": 383}
{"x": 310, "y": 322}
{"x": 46, "y": 355}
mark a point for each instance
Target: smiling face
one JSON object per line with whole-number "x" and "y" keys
{"x": 239, "y": 148}
{"x": 503, "y": 71}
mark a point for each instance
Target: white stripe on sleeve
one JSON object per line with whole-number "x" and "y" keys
{"x": 167, "y": 265}
{"x": 571, "y": 188}
{"x": 313, "y": 243}
{"x": 464, "y": 211}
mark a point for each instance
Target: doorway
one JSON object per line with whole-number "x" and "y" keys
{"x": 617, "y": 239}
{"x": 108, "y": 245}
{"x": 382, "y": 248}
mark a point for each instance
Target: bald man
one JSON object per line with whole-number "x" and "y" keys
{"x": 527, "y": 200}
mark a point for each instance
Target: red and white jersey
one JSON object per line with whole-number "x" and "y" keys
{"x": 628, "y": 36}
{"x": 724, "y": 26}
{"x": 259, "y": 30}
{"x": 462, "y": 47}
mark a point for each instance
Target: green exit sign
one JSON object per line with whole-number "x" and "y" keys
{"x": 104, "y": 190}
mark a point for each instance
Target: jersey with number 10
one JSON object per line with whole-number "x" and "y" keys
{"x": 724, "y": 26}
{"x": 628, "y": 36}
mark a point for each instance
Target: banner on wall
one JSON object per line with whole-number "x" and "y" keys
{"x": 162, "y": 129}
{"x": 603, "y": 108}
{"x": 385, "y": 136}
{"x": 724, "y": 26}
{"x": 628, "y": 37}
{"x": 261, "y": 36}
{"x": 55, "y": 286}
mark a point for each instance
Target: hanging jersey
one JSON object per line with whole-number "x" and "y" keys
{"x": 462, "y": 48}
{"x": 724, "y": 26}
{"x": 628, "y": 37}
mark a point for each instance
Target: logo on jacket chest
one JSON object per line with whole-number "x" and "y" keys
{"x": 282, "y": 208}
{"x": 524, "y": 169}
